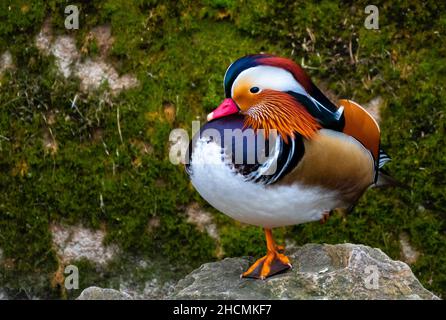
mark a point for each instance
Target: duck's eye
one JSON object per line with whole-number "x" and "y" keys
{"x": 254, "y": 90}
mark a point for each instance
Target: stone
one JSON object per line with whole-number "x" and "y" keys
{"x": 204, "y": 222}
{"x": 153, "y": 289}
{"x": 6, "y": 62}
{"x": 321, "y": 271}
{"x": 408, "y": 253}
{"x": 375, "y": 106}
{"x": 96, "y": 293}
{"x": 202, "y": 219}
{"x": 44, "y": 38}
{"x": 65, "y": 53}
{"x": 92, "y": 73}
{"x": 76, "y": 242}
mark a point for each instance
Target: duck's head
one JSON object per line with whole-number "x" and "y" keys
{"x": 272, "y": 93}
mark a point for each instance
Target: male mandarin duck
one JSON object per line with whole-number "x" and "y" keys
{"x": 324, "y": 156}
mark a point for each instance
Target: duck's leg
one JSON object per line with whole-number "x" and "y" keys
{"x": 274, "y": 261}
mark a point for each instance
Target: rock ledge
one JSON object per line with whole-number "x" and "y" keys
{"x": 342, "y": 271}
{"x": 321, "y": 271}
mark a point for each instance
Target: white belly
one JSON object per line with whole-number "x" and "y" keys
{"x": 267, "y": 206}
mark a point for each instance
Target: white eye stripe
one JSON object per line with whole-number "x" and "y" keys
{"x": 268, "y": 77}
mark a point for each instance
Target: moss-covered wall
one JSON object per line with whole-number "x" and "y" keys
{"x": 179, "y": 51}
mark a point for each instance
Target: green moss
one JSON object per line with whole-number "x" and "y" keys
{"x": 179, "y": 52}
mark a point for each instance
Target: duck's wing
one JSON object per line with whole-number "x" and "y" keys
{"x": 281, "y": 160}
{"x": 363, "y": 127}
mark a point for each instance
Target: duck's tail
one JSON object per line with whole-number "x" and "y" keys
{"x": 383, "y": 179}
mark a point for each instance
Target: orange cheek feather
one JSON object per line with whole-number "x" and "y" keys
{"x": 272, "y": 109}
{"x": 243, "y": 97}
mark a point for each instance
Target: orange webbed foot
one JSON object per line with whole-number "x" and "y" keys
{"x": 273, "y": 263}
{"x": 267, "y": 266}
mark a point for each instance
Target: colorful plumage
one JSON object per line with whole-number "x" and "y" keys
{"x": 318, "y": 156}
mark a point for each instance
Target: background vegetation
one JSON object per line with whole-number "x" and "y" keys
{"x": 179, "y": 51}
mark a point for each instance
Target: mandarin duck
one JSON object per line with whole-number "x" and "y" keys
{"x": 324, "y": 156}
